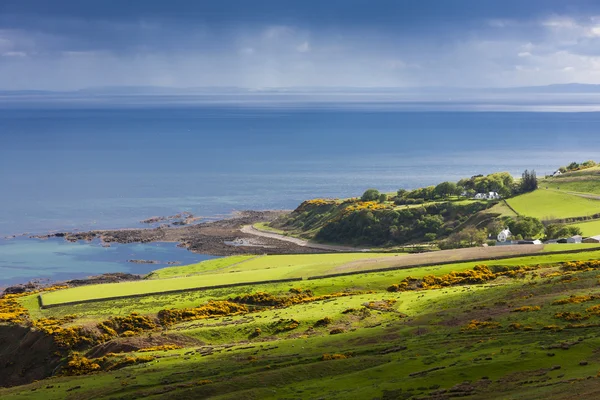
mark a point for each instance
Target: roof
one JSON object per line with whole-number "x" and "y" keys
{"x": 578, "y": 237}
{"x": 597, "y": 237}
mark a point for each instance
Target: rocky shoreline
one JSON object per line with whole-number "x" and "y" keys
{"x": 219, "y": 238}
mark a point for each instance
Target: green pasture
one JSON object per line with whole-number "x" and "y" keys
{"x": 241, "y": 270}
{"x": 579, "y": 186}
{"x": 413, "y": 350}
{"x": 549, "y": 204}
{"x": 591, "y": 228}
{"x": 154, "y": 302}
{"x": 202, "y": 267}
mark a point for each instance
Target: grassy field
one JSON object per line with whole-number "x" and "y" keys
{"x": 584, "y": 181}
{"x": 198, "y": 268}
{"x": 549, "y": 204}
{"x": 270, "y": 268}
{"x": 591, "y": 228}
{"x": 576, "y": 185}
{"x": 420, "y": 344}
{"x": 239, "y": 269}
{"x": 502, "y": 209}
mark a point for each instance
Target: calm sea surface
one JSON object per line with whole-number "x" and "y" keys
{"x": 65, "y": 169}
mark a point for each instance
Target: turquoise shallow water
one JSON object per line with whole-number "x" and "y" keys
{"x": 22, "y": 260}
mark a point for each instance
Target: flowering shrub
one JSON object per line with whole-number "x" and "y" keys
{"x": 134, "y": 323}
{"x": 552, "y": 328}
{"x": 383, "y": 305}
{"x": 527, "y": 309}
{"x": 12, "y": 311}
{"x": 297, "y": 296}
{"x": 476, "y": 325}
{"x": 80, "y": 365}
{"x": 479, "y": 274}
{"x": 164, "y": 347}
{"x": 284, "y": 325}
{"x": 210, "y": 309}
{"x": 366, "y": 205}
{"x": 576, "y": 299}
{"x": 335, "y": 356}
{"x": 581, "y": 266}
{"x": 570, "y": 316}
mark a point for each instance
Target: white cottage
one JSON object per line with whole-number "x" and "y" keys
{"x": 487, "y": 196}
{"x": 504, "y": 235}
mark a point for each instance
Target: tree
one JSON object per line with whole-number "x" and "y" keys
{"x": 445, "y": 189}
{"x": 527, "y": 227}
{"x": 588, "y": 164}
{"x": 558, "y": 231}
{"x": 370, "y": 195}
{"x": 474, "y": 236}
{"x": 468, "y": 237}
{"x": 529, "y": 181}
{"x": 401, "y": 192}
{"x": 382, "y": 198}
{"x": 494, "y": 228}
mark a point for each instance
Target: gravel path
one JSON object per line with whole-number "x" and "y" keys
{"x": 249, "y": 229}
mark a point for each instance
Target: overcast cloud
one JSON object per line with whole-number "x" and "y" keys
{"x": 66, "y": 45}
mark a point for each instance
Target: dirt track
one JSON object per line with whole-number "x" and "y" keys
{"x": 443, "y": 256}
{"x": 249, "y": 229}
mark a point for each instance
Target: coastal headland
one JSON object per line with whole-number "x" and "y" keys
{"x": 224, "y": 237}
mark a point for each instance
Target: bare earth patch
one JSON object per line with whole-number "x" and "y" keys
{"x": 443, "y": 256}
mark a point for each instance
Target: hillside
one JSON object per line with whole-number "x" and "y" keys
{"x": 451, "y": 215}
{"x": 581, "y": 181}
{"x": 486, "y": 329}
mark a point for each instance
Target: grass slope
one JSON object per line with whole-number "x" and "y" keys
{"x": 231, "y": 270}
{"x": 549, "y": 204}
{"x": 591, "y": 228}
{"x": 153, "y": 302}
{"x": 584, "y": 181}
{"x": 421, "y": 346}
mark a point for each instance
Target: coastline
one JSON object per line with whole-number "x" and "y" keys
{"x": 223, "y": 237}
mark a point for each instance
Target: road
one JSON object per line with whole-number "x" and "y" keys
{"x": 249, "y": 229}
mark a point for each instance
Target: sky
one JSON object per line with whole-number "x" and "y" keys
{"x": 74, "y": 44}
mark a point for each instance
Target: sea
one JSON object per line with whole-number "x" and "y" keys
{"x": 67, "y": 167}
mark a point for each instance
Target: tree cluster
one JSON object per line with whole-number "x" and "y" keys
{"x": 379, "y": 227}
{"x": 529, "y": 181}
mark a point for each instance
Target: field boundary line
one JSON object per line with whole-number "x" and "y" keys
{"x": 511, "y": 208}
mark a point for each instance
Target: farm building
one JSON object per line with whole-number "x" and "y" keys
{"x": 529, "y": 241}
{"x": 593, "y": 239}
{"x": 575, "y": 239}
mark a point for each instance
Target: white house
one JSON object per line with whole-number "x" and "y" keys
{"x": 487, "y": 196}
{"x": 557, "y": 173}
{"x": 575, "y": 239}
{"x": 504, "y": 235}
